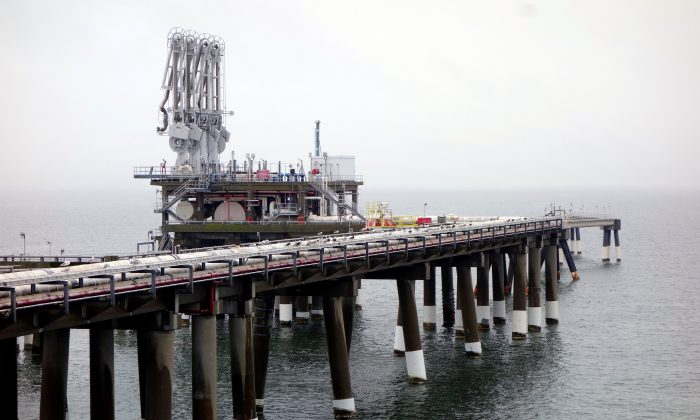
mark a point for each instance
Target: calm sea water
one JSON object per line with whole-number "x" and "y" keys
{"x": 627, "y": 345}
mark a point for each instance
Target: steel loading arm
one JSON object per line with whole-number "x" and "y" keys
{"x": 193, "y": 81}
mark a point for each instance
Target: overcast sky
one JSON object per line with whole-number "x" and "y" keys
{"x": 458, "y": 94}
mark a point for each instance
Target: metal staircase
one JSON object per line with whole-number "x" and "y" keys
{"x": 192, "y": 185}
{"x": 166, "y": 242}
{"x": 343, "y": 206}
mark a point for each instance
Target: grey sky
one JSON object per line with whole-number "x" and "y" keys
{"x": 464, "y": 94}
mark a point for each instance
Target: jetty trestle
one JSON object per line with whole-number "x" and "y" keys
{"x": 322, "y": 275}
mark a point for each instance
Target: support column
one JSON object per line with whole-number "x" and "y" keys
{"x": 302, "y": 315}
{"x": 569, "y": 260}
{"x": 497, "y": 282}
{"x": 399, "y": 346}
{"x": 54, "y": 375}
{"x": 572, "y": 239}
{"x": 429, "y": 309}
{"x": 519, "y": 296}
{"x": 483, "y": 311}
{"x": 37, "y": 340}
{"x": 360, "y": 300}
{"x": 508, "y": 287}
{"x": 618, "y": 249}
{"x": 448, "y": 298}
{"x": 8, "y": 378}
{"x": 155, "y": 352}
{"x": 338, "y": 358}
{"x": 560, "y": 258}
{"x": 317, "y": 307}
{"x": 204, "y": 367}
{"x": 242, "y": 359}
{"x": 472, "y": 342}
{"x": 348, "y": 304}
{"x": 28, "y": 341}
{"x": 101, "y": 373}
{"x": 285, "y": 311}
{"x": 262, "y": 332}
{"x": 415, "y": 363}
{"x": 459, "y": 326}
{"x": 551, "y": 285}
{"x": 578, "y": 241}
{"x": 606, "y": 245}
{"x": 534, "y": 307}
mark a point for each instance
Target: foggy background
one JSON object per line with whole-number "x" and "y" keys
{"x": 453, "y": 94}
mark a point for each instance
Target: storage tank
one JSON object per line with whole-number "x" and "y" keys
{"x": 229, "y": 211}
{"x": 184, "y": 210}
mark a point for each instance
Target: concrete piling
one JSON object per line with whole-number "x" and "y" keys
{"x": 571, "y": 233}
{"x": 606, "y": 245}
{"x": 415, "y": 363}
{"x": 101, "y": 373}
{"x": 534, "y": 307}
{"x": 360, "y": 299}
{"x": 399, "y": 346}
{"x": 348, "y": 305}
{"x": 564, "y": 247}
{"x": 483, "y": 310}
{"x": 54, "y": 375}
{"x": 429, "y": 309}
{"x": 472, "y": 341}
{"x": 578, "y": 241}
{"x": 242, "y": 359}
{"x": 338, "y": 358}
{"x": 262, "y": 332}
{"x": 508, "y": 287}
{"x": 8, "y": 378}
{"x": 459, "y": 328}
{"x": 204, "y": 367}
{"x": 618, "y": 249}
{"x": 551, "y": 285}
{"x": 317, "y": 307}
{"x": 37, "y": 341}
{"x": 28, "y": 341}
{"x": 286, "y": 311}
{"x": 497, "y": 282}
{"x": 302, "y": 314}
{"x": 519, "y": 296}
{"x": 155, "y": 352}
{"x": 448, "y": 298}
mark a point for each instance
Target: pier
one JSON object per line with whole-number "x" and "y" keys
{"x": 148, "y": 294}
{"x": 251, "y": 239}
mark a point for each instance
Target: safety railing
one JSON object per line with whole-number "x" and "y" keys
{"x": 172, "y": 173}
{"x": 251, "y": 259}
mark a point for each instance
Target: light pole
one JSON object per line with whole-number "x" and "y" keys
{"x": 49, "y": 244}
{"x": 24, "y": 244}
{"x": 424, "y": 206}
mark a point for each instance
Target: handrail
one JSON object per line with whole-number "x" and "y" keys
{"x": 172, "y": 173}
{"x": 342, "y": 247}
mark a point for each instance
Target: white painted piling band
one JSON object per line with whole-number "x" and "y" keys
{"x": 415, "y": 365}
{"x": 499, "y": 309}
{"x": 552, "y": 309}
{"x": 399, "y": 343}
{"x": 473, "y": 348}
{"x": 520, "y": 322}
{"x": 347, "y": 404}
{"x": 534, "y": 316}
